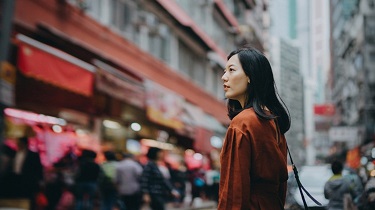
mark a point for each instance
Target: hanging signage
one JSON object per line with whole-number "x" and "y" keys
{"x": 7, "y": 81}
{"x": 353, "y": 158}
{"x": 164, "y": 106}
{"x": 324, "y": 109}
{"x": 121, "y": 89}
{"x": 352, "y": 135}
{"x": 54, "y": 69}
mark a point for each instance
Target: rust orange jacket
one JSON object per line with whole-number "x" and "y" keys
{"x": 253, "y": 160}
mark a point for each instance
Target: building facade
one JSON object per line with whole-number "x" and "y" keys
{"x": 352, "y": 73}
{"x": 285, "y": 61}
{"x": 142, "y": 69}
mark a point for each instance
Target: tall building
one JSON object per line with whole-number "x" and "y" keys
{"x": 285, "y": 62}
{"x": 352, "y": 75}
{"x": 320, "y": 64}
{"x": 304, "y": 25}
{"x": 285, "y": 56}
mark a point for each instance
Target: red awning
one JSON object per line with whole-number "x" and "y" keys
{"x": 49, "y": 68}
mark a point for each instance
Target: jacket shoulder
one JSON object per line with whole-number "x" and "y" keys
{"x": 246, "y": 117}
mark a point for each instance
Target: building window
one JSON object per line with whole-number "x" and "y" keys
{"x": 94, "y": 9}
{"x": 221, "y": 33}
{"x": 191, "y": 64}
{"x": 123, "y": 13}
{"x": 185, "y": 59}
{"x": 159, "y": 45}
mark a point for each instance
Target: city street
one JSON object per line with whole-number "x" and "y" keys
{"x": 124, "y": 103}
{"x": 201, "y": 205}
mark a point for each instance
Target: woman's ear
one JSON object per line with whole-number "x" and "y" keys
{"x": 248, "y": 80}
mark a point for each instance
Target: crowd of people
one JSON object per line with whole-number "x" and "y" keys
{"x": 349, "y": 190}
{"x": 119, "y": 182}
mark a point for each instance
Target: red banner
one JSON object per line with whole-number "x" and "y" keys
{"x": 324, "y": 109}
{"x": 54, "y": 70}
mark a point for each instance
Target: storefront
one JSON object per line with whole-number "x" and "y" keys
{"x": 100, "y": 83}
{"x": 51, "y": 137}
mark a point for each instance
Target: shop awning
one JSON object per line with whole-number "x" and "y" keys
{"x": 119, "y": 85}
{"x": 50, "y": 65}
{"x": 212, "y": 124}
{"x": 203, "y": 120}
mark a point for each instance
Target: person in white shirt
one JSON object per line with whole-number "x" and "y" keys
{"x": 128, "y": 180}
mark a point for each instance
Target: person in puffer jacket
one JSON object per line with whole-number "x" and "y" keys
{"x": 337, "y": 187}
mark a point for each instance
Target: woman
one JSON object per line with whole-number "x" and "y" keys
{"x": 155, "y": 180}
{"x": 254, "y": 155}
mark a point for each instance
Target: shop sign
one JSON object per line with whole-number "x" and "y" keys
{"x": 164, "y": 106}
{"x": 59, "y": 69}
{"x": 8, "y": 72}
{"x": 7, "y": 81}
{"x": 118, "y": 88}
{"x": 324, "y": 109}
{"x": 349, "y": 134}
{"x": 353, "y": 158}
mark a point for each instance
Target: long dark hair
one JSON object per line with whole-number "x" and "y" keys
{"x": 261, "y": 91}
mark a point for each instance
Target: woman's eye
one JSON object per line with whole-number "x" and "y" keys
{"x": 231, "y": 69}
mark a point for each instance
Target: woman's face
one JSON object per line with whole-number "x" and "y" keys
{"x": 235, "y": 80}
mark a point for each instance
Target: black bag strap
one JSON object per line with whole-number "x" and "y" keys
{"x": 300, "y": 186}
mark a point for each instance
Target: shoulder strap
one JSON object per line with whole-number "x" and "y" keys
{"x": 300, "y": 186}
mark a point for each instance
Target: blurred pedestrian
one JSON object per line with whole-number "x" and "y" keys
{"x": 107, "y": 181}
{"x": 59, "y": 182}
{"x": 212, "y": 184}
{"x": 198, "y": 184}
{"x": 254, "y": 155}
{"x": 86, "y": 182}
{"x": 356, "y": 186}
{"x": 128, "y": 178}
{"x": 338, "y": 189}
{"x": 23, "y": 174}
{"x": 155, "y": 183}
{"x": 370, "y": 194}
{"x": 178, "y": 179}
{"x": 7, "y": 154}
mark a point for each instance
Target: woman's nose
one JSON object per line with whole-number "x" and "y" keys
{"x": 224, "y": 77}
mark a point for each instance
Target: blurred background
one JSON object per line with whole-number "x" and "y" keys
{"x": 125, "y": 75}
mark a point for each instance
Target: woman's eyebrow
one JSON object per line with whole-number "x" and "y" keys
{"x": 230, "y": 65}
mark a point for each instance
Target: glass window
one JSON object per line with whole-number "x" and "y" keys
{"x": 199, "y": 71}
{"x": 165, "y": 35}
{"x": 159, "y": 40}
{"x": 122, "y": 14}
{"x": 94, "y": 8}
{"x": 184, "y": 59}
{"x": 192, "y": 65}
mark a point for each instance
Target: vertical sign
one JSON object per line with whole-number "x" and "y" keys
{"x": 7, "y": 82}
